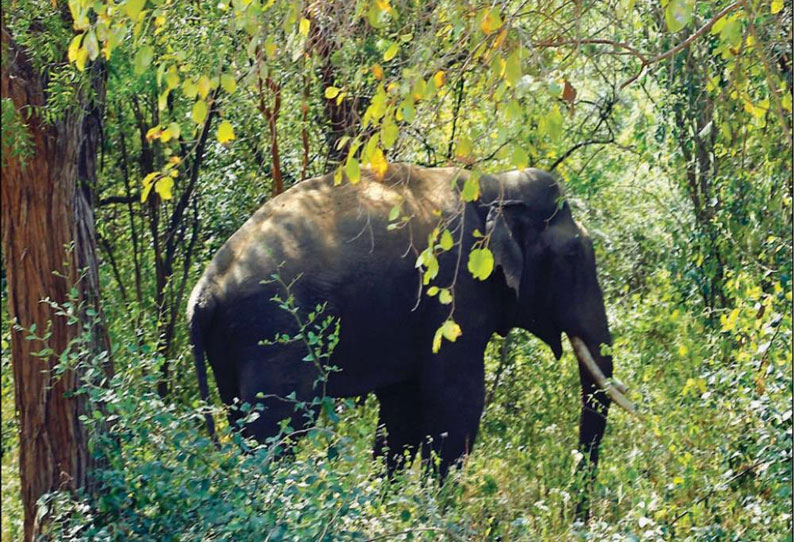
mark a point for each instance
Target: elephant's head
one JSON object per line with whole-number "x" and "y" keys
{"x": 548, "y": 261}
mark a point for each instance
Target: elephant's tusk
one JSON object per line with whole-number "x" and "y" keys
{"x": 616, "y": 390}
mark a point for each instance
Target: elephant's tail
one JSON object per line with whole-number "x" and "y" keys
{"x": 194, "y": 319}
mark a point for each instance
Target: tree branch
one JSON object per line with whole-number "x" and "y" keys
{"x": 683, "y": 45}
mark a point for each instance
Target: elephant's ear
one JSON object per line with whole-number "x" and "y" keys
{"x": 503, "y": 227}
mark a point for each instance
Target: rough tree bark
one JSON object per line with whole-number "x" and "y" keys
{"x": 49, "y": 247}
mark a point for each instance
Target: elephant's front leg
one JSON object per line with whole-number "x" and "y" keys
{"x": 453, "y": 392}
{"x": 399, "y": 425}
{"x": 592, "y": 424}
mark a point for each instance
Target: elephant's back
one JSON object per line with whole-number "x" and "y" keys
{"x": 323, "y": 231}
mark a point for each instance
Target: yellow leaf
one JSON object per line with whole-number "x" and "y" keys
{"x": 377, "y": 71}
{"x": 172, "y": 132}
{"x": 331, "y": 93}
{"x": 204, "y": 86}
{"x": 491, "y": 21}
{"x": 199, "y": 112}
{"x": 228, "y": 83}
{"x": 225, "y": 132}
{"x": 162, "y": 100}
{"x": 384, "y": 5}
{"x": 463, "y": 148}
{"x": 378, "y": 163}
{"x": 270, "y": 48}
{"x": 391, "y": 52}
{"x": 148, "y": 182}
{"x": 82, "y": 57}
{"x": 303, "y": 27}
{"x": 418, "y": 92}
{"x": 164, "y": 187}
{"x": 777, "y": 5}
{"x": 153, "y": 133}
{"x": 439, "y": 78}
{"x": 74, "y": 47}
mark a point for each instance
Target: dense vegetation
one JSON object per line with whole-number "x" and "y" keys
{"x": 669, "y": 124}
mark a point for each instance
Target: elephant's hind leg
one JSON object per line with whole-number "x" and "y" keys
{"x": 453, "y": 404}
{"x": 400, "y": 424}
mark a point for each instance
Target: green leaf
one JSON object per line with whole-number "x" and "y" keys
{"x": 353, "y": 170}
{"x": 449, "y": 330}
{"x": 133, "y": 8}
{"x": 389, "y": 132}
{"x": 433, "y": 290}
{"x": 172, "y": 77}
{"x": 408, "y": 111}
{"x": 446, "y": 242}
{"x": 228, "y": 83}
{"x": 552, "y": 123}
{"x": 143, "y": 58}
{"x": 199, "y": 112}
{"x": 91, "y": 45}
{"x": 189, "y": 89}
{"x": 427, "y": 259}
{"x": 445, "y": 296}
{"x": 481, "y": 263}
{"x": 471, "y": 187}
{"x": 513, "y": 68}
{"x": 519, "y": 160}
{"x": 394, "y": 213}
{"x": 678, "y": 14}
{"x": 391, "y": 52}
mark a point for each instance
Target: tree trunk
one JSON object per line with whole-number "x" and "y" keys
{"x": 49, "y": 248}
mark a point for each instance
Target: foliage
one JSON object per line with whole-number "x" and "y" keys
{"x": 669, "y": 125}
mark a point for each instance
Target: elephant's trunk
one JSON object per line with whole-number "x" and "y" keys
{"x": 614, "y": 389}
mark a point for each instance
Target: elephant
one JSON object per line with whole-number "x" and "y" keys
{"x": 341, "y": 247}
